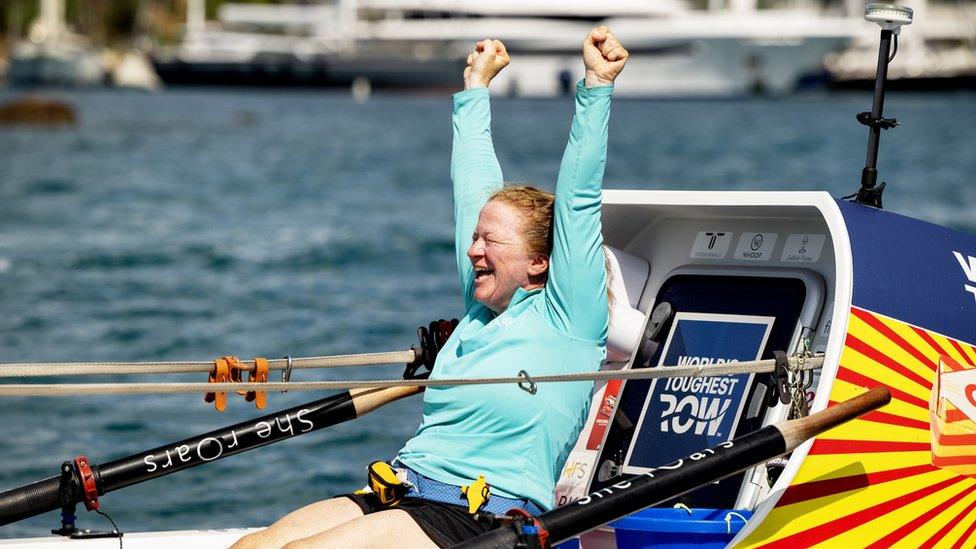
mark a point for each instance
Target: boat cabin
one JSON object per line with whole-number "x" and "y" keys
{"x": 712, "y": 277}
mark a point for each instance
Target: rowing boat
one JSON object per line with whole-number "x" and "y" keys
{"x": 832, "y": 296}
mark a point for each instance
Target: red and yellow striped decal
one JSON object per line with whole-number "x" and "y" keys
{"x": 872, "y": 482}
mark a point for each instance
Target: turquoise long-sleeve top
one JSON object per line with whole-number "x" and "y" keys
{"x": 517, "y": 440}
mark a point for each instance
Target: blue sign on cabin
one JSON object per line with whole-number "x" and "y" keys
{"x": 682, "y": 415}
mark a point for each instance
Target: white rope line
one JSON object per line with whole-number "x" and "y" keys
{"x": 37, "y": 369}
{"x": 728, "y": 368}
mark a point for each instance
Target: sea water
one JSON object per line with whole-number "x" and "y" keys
{"x": 186, "y": 225}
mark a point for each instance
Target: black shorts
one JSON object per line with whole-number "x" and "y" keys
{"x": 444, "y": 524}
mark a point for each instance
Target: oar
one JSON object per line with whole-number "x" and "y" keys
{"x": 638, "y": 492}
{"x": 43, "y": 496}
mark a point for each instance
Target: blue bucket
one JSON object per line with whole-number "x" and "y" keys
{"x": 674, "y": 528}
{"x": 572, "y": 543}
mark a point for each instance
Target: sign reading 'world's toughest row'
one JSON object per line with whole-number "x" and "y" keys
{"x": 684, "y": 414}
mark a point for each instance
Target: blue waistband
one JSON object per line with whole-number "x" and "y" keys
{"x": 428, "y": 488}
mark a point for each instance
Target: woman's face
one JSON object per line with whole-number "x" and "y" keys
{"x": 500, "y": 258}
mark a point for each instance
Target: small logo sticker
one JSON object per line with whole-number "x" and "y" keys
{"x": 803, "y": 248}
{"x": 711, "y": 245}
{"x": 968, "y": 264}
{"x": 755, "y": 246}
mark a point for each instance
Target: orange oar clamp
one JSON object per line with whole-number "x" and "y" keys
{"x": 258, "y": 375}
{"x": 220, "y": 374}
{"x": 88, "y": 486}
{"x": 236, "y": 371}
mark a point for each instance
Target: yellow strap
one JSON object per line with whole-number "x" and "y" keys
{"x": 385, "y": 484}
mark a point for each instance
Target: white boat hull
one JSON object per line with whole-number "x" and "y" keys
{"x": 197, "y": 539}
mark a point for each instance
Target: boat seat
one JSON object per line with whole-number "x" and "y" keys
{"x": 628, "y": 276}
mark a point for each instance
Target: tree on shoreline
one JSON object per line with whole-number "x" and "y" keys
{"x": 110, "y": 23}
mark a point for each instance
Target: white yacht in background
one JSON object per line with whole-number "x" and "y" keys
{"x": 939, "y": 53}
{"x": 675, "y": 50}
{"x": 775, "y": 377}
{"x": 52, "y": 55}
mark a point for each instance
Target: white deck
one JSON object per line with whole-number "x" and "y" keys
{"x": 197, "y": 539}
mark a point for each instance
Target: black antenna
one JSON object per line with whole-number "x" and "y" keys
{"x": 890, "y": 18}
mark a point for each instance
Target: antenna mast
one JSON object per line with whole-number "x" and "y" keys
{"x": 890, "y": 18}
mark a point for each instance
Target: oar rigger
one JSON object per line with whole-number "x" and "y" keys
{"x": 79, "y": 482}
{"x": 530, "y": 533}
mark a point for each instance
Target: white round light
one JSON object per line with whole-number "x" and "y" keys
{"x": 888, "y": 16}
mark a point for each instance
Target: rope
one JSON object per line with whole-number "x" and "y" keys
{"x": 728, "y": 368}
{"x": 35, "y": 369}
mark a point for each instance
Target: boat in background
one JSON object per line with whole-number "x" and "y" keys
{"x": 423, "y": 44}
{"x": 940, "y": 55}
{"x": 291, "y": 45}
{"x": 53, "y": 55}
{"x": 705, "y": 278}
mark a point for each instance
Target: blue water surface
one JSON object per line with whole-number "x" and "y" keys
{"x": 186, "y": 225}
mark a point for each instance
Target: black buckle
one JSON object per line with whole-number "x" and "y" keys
{"x": 782, "y": 375}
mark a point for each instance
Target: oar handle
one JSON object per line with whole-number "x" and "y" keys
{"x": 367, "y": 400}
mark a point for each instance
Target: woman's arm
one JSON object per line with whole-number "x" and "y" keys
{"x": 475, "y": 172}
{"x": 577, "y": 285}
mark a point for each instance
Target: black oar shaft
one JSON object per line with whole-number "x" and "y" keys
{"x": 633, "y": 494}
{"x": 638, "y": 492}
{"x": 224, "y": 442}
{"x": 29, "y": 500}
{"x": 42, "y": 496}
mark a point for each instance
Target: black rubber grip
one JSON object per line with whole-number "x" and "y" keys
{"x": 29, "y": 500}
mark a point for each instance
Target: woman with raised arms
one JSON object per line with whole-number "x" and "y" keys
{"x": 532, "y": 270}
